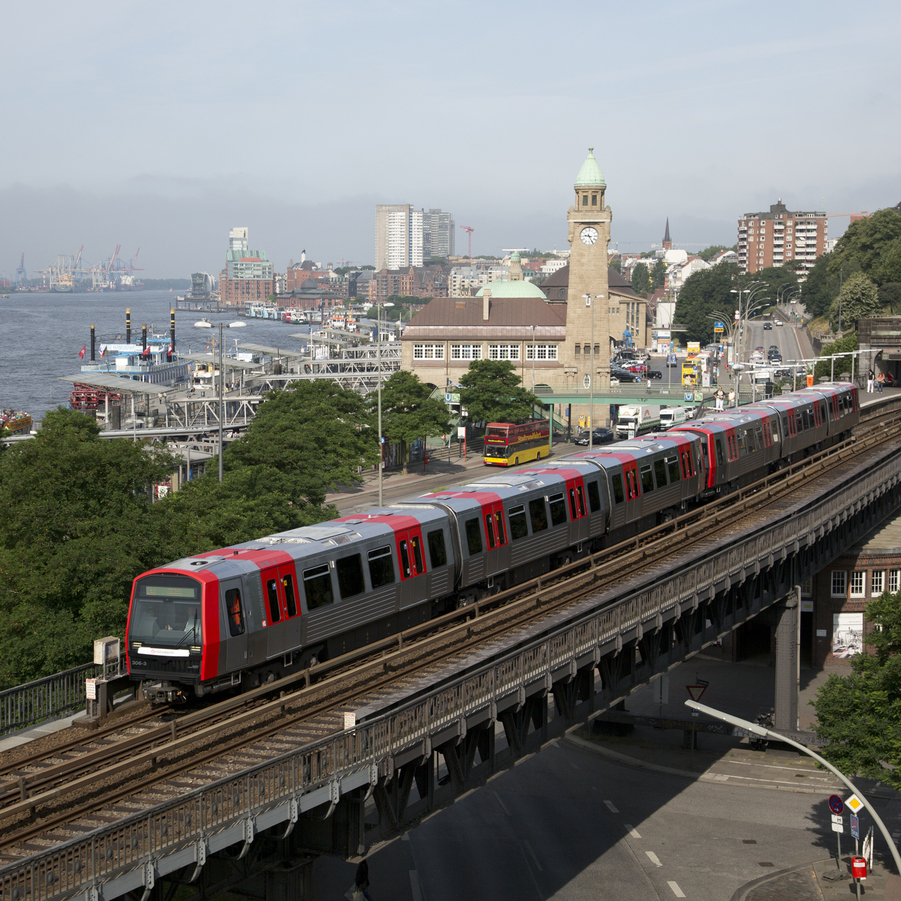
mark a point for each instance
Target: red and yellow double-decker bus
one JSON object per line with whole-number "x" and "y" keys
{"x": 508, "y": 443}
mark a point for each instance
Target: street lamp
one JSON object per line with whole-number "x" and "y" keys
{"x": 763, "y": 732}
{"x": 378, "y": 327}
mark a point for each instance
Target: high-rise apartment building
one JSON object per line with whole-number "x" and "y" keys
{"x": 779, "y": 237}
{"x": 248, "y": 274}
{"x": 398, "y": 236}
{"x": 437, "y": 234}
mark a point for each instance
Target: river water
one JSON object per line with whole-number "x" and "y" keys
{"x": 41, "y": 335}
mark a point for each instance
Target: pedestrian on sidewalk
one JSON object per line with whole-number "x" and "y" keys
{"x": 720, "y": 397}
{"x": 871, "y": 376}
{"x": 880, "y": 382}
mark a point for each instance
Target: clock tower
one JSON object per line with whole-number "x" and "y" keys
{"x": 588, "y": 236}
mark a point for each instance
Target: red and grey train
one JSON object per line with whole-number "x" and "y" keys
{"x": 251, "y": 613}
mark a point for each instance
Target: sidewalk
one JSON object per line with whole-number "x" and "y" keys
{"x": 737, "y": 688}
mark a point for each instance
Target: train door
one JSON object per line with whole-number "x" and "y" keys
{"x": 280, "y": 602}
{"x": 496, "y": 556}
{"x": 235, "y": 605}
{"x": 411, "y": 559}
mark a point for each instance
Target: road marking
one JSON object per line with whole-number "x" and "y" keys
{"x": 653, "y": 858}
{"x": 611, "y": 807}
{"x": 415, "y": 890}
{"x": 632, "y": 831}
{"x": 529, "y": 849}
{"x": 499, "y": 801}
{"x": 676, "y": 890}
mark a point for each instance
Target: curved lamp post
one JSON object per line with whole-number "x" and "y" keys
{"x": 775, "y": 736}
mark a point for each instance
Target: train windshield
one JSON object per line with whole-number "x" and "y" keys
{"x": 166, "y": 611}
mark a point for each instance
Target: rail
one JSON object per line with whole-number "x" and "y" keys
{"x": 135, "y": 850}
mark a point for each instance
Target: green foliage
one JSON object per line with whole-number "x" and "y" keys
{"x": 780, "y": 280}
{"x": 78, "y": 527}
{"x": 706, "y": 293}
{"x": 844, "y": 345}
{"x": 819, "y": 289}
{"x": 890, "y": 297}
{"x": 490, "y": 391}
{"x": 859, "y": 299}
{"x": 658, "y": 274}
{"x": 408, "y": 411}
{"x": 868, "y": 246}
{"x": 617, "y": 263}
{"x": 860, "y": 714}
{"x": 708, "y": 253}
{"x": 641, "y": 280}
{"x": 889, "y": 272}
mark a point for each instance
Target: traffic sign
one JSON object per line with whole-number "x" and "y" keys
{"x": 835, "y": 804}
{"x": 696, "y": 692}
{"x": 855, "y": 826}
{"x": 854, "y": 803}
{"x": 837, "y": 824}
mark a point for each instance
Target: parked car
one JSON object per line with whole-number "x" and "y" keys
{"x": 622, "y": 375}
{"x": 599, "y": 436}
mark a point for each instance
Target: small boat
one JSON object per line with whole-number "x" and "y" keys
{"x": 14, "y": 421}
{"x": 237, "y": 324}
{"x": 203, "y": 323}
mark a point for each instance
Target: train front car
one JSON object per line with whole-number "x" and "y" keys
{"x": 168, "y": 620}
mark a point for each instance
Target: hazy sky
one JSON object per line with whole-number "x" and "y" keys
{"x": 163, "y": 125}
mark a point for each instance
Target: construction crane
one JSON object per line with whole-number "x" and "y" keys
{"x": 21, "y": 277}
{"x": 835, "y": 215}
{"x": 469, "y": 230}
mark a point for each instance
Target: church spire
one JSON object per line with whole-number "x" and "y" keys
{"x": 667, "y": 243}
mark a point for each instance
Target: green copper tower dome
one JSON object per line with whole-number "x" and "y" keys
{"x": 590, "y": 175}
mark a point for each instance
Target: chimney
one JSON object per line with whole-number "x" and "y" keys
{"x": 486, "y": 304}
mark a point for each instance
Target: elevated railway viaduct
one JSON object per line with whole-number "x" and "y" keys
{"x": 406, "y": 753}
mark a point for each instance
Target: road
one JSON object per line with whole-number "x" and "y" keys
{"x": 569, "y": 824}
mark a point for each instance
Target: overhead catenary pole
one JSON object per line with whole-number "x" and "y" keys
{"x": 221, "y": 372}
{"x": 763, "y": 732}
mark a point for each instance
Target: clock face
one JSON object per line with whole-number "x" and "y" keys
{"x": 589, "y": 235}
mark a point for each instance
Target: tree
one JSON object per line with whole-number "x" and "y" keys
{"x": 708, "y": 253}
{"x": 658, "y": 274}
{"x": 706, "y": 293}
{"x": 78, "y": 525}
{"x": 859, "y": 299}
{"x": 865, "y": 244}
{"x": 490, "y": 391}
{"x": 313, "y": 436}
{"x": 641, "y": 280}
{"x": 409, "y": 413}
{"x": 890, "y": 269}
{"x": 860, "y": 714}
{"x": 847, "y": 344}
{"x": 890, "y": 296}
{"x": 820, "y": 288}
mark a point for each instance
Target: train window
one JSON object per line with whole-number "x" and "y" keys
{"x": 317, "y": 583}
{"x": 594, "y": 496}
{"x": 290, "y": 596}
{"x": 660, "y": 472}
{"x": 235, "y": 613}
{"x": 518, "y": 527}
{"x": 405, "y": 560}
{"x": 538, "y": 514}
{"x": 618, "y": 494}
{"x": 381, "y": 567}
{"x": 672, "y": 464}
{"x": 499, "y": 522}
{"x": 473, "y": 536}
{"x": 275, "y": 613}
{"x": 720, "y": 454}
{"x": 416, "y": 544}
{"x": 580, "y": 500}
{"x": 647, "y": 480}
{"x": 437, "y": 550}
{"x": 350, "y": 576}
{"x": 489, "y": 531}
{"x": 558, "y": 510}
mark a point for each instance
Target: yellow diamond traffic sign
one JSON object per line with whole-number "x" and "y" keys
{"x": 854, "y": 803}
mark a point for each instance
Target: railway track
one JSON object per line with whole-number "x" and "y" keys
{"x": 45, "y": 799}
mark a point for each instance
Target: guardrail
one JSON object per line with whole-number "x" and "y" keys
{"x": 116, "y": 859}
{"x": 50, "y": 698}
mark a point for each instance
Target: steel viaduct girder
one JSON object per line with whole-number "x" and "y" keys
{"x": 410, "y": 756}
